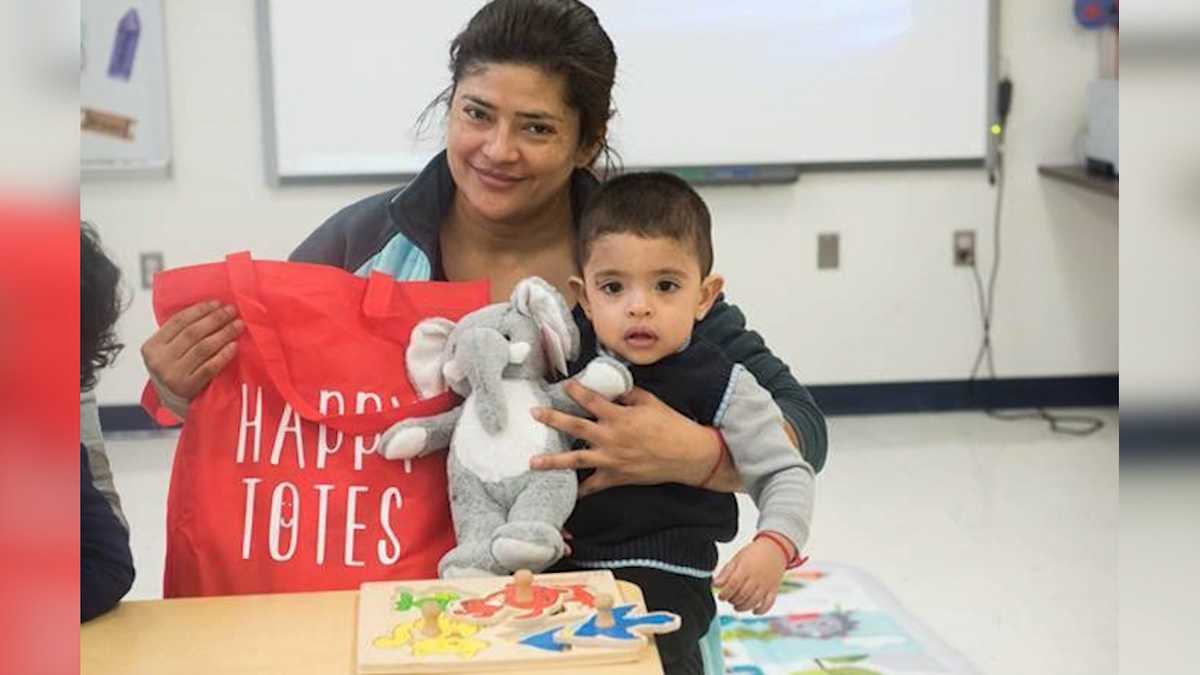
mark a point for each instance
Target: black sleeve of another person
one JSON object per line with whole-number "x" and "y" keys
{"x": 725, "y": 327}
{"x": 105, "y": 561}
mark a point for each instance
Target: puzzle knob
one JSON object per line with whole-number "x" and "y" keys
{"x": 430, "y": 612}
{"x": 604, "y": 605}
{"x": 523, "y": 580}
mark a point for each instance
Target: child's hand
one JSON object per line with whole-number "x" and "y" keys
{"x": 751, "y": 579}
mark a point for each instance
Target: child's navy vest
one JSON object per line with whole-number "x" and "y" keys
{"x": 672, "y": 524}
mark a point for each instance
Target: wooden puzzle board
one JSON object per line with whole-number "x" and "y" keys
{"x": 480, "y": 633}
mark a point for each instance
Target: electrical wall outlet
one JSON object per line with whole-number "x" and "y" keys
{"x": 964, "y": 248}
{"x": 827, "y": 251}
{"x": 151, "y": 264}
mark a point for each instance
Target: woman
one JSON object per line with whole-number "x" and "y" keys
{"x": 106, "y": 569}
{"x": 528, "y": 107}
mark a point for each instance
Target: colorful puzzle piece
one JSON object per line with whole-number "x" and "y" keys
{"x": 449, "y": 644}
{"x": 404, "y": 599}
{"x": 544, "y": 640}
{"x": 580, "y": 594}
{"x": 627, "y": 630}
{"x": 454, "y": 637}
{"x": 504, "y": 604}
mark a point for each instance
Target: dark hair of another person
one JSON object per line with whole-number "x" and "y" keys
{"x": 99, "y": 306}
{"x": 562, "y": 37}
{"x": 652, "y": 205}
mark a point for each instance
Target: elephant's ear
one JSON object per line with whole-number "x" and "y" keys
{"x": 538, "y": 300}
{"x": 427, "y": 354}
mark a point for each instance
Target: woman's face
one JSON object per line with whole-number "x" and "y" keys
{"x": 512, "y": 141}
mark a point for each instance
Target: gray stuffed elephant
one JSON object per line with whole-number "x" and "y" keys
{"x": 497, "y": 359}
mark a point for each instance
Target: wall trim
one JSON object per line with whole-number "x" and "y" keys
{"x": 947, "y": 395}
{"x": 126, "y": 418}
{"x": 864, "y": 399}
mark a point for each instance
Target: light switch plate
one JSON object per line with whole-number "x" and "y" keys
{"x": 151, "y": 263}
{"x": 964, "y": 248}
{"x": 827, "y": 251}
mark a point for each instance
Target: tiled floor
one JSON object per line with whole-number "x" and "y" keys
{"x": 1001, "y": 536}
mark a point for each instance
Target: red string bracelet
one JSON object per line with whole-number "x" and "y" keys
{"x": 779, "y": 540}
{"x": 720, "y": 458}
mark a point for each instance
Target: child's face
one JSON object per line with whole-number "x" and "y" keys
{"x": 644, "y": 294}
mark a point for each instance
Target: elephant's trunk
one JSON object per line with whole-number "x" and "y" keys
{"x": 483, "y": 355}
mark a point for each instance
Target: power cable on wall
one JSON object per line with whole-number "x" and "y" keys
{"x": 1077, "y": 425}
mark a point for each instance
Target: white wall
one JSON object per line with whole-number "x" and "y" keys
{"x": 896, "y": 309}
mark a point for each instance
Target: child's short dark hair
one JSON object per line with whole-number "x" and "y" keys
{"x": 650, "y": 204}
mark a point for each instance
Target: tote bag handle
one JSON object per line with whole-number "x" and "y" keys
{"x": 378, "y": 301}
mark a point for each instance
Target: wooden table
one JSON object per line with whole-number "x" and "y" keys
{"x": 293, "y": 633}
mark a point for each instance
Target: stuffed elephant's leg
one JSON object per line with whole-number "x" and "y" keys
{"x": 476, "y": 517}
{"x": 532, "y": 537}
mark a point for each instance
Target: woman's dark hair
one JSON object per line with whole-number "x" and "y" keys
{"x": 99, "y": 306}
{"x": 561, "y": 37}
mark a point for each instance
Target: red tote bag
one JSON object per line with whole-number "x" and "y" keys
{"x": 277, "y": 485}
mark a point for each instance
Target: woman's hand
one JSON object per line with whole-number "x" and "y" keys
{"x": 185, "y": 354}
{"x": 643, "y": 442}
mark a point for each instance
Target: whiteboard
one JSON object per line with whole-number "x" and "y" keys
{"x": 122, "y": 87}
{"x": 699, "y": 83}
